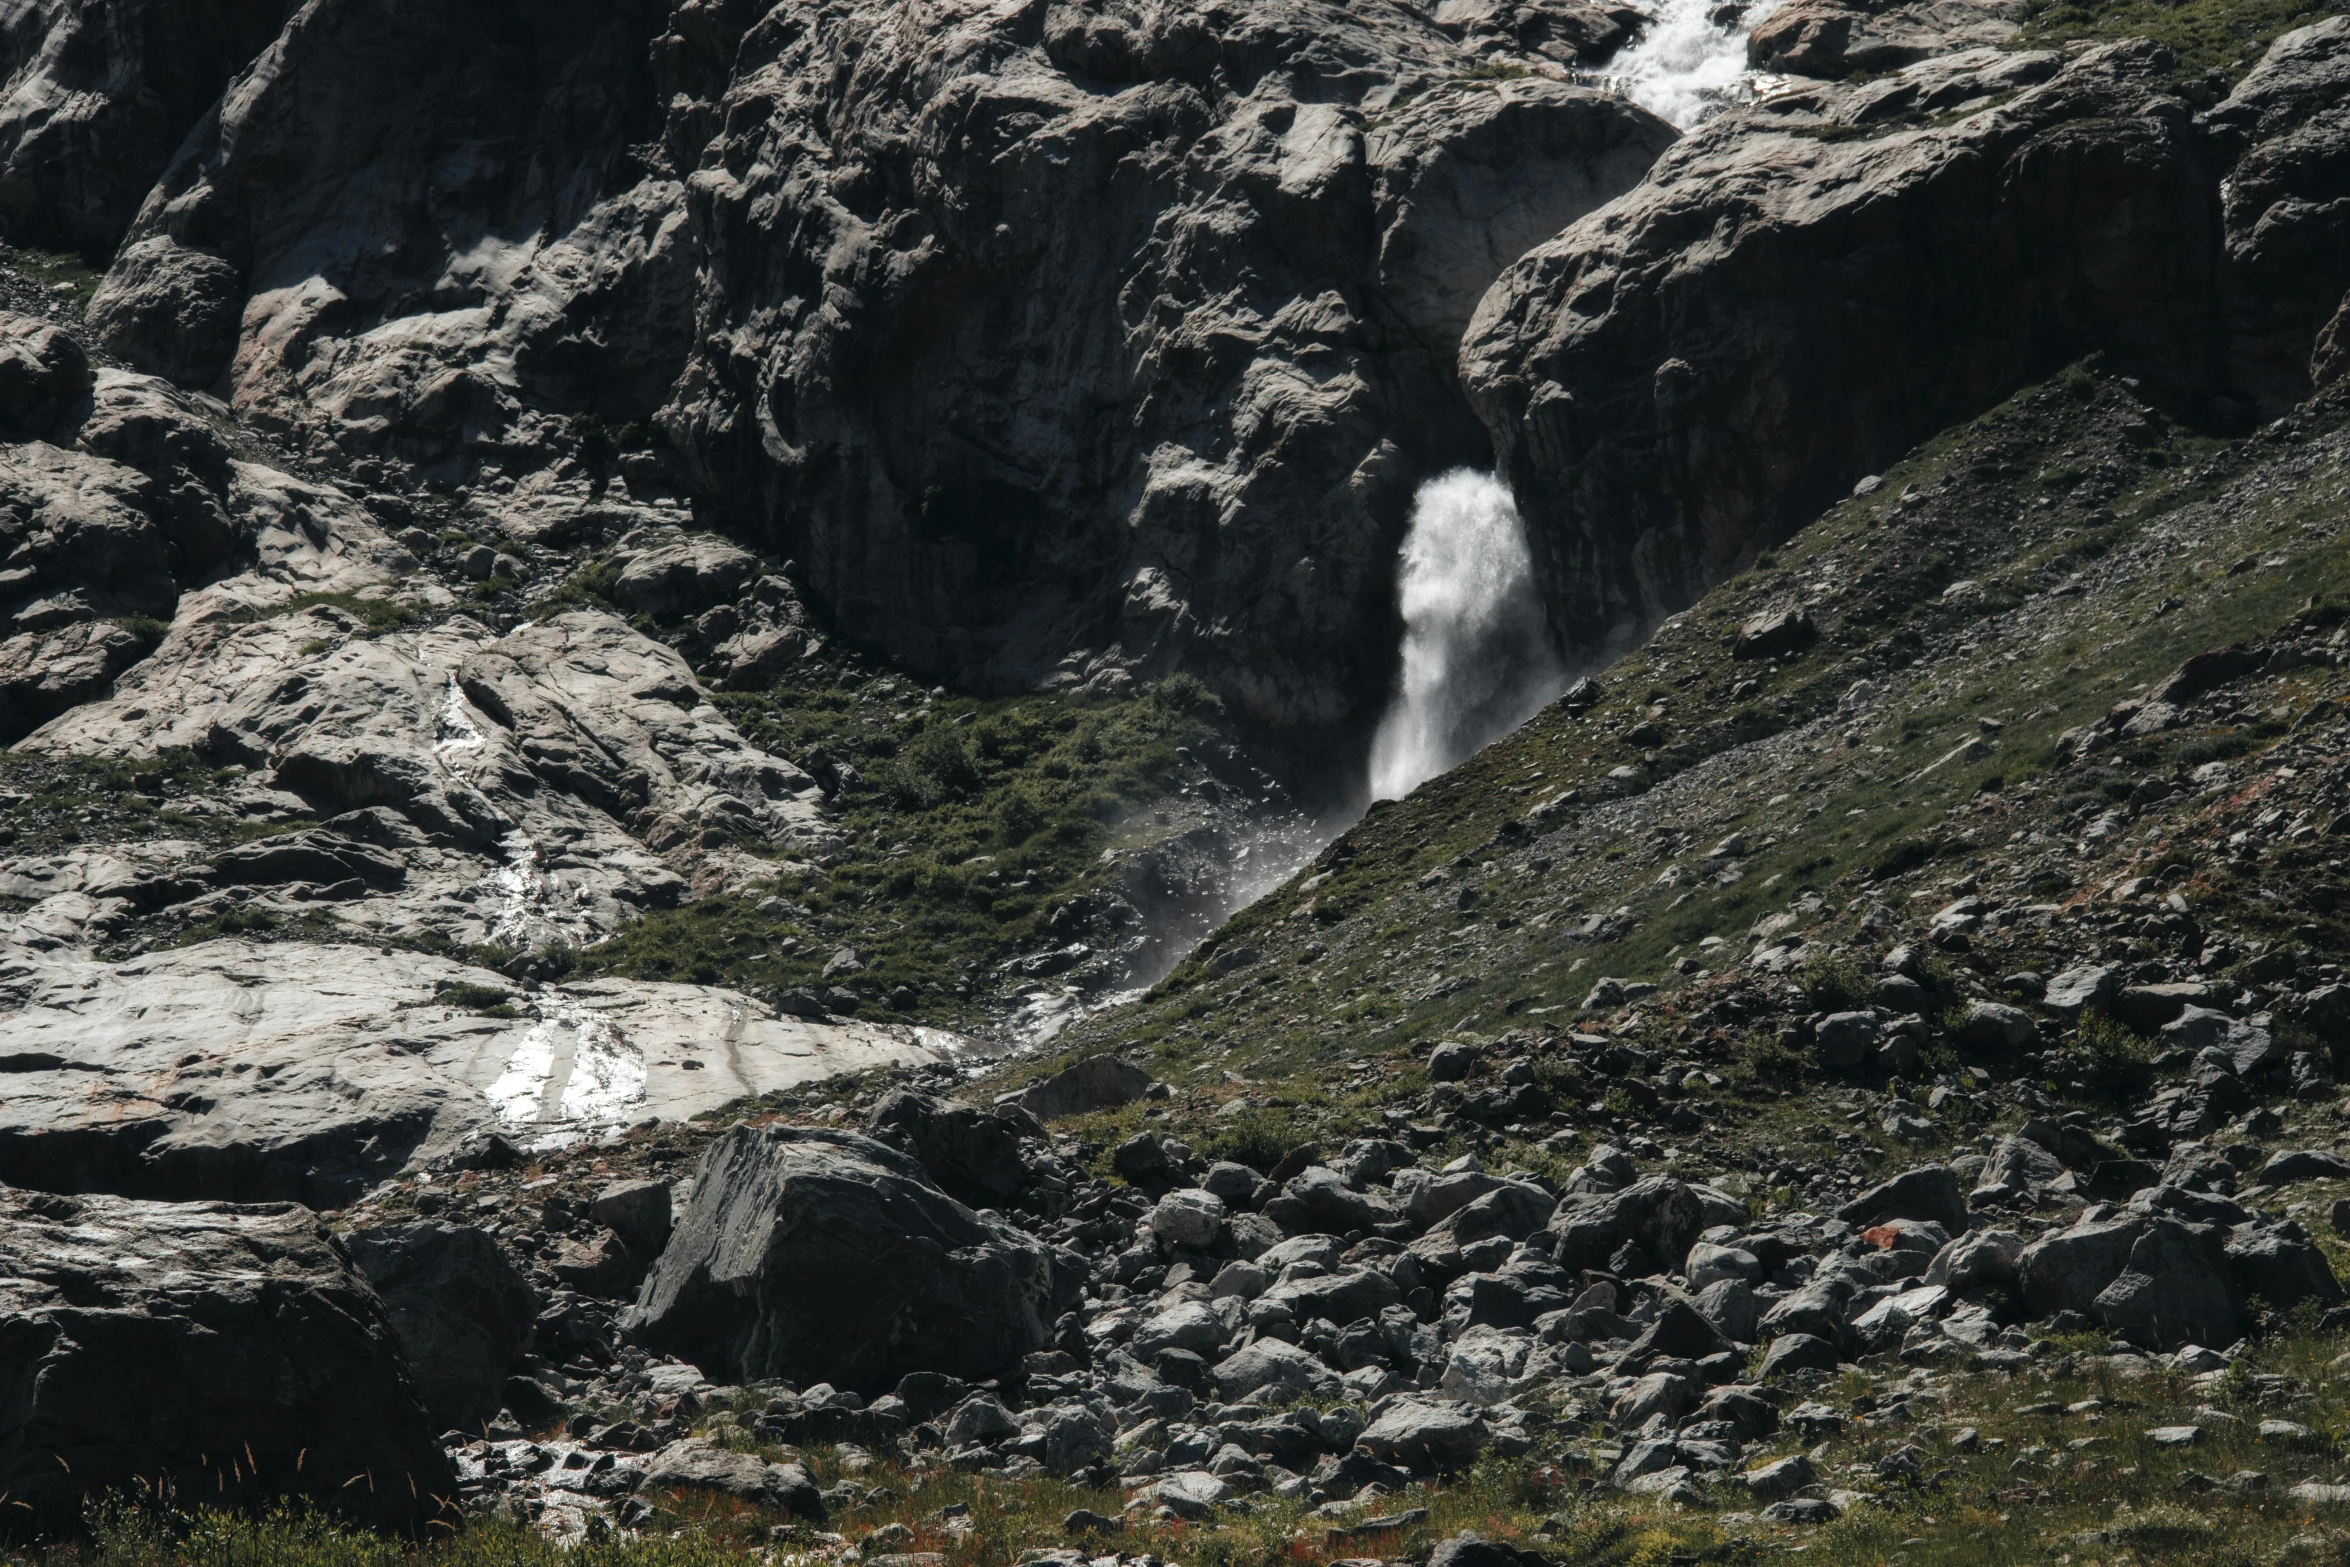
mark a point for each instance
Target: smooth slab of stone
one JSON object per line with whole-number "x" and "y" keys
{"x": 307, "y": 1070}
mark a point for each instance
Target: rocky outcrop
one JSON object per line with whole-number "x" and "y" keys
{"x": 460, "y": 1306}
{"x": 1876, "y": 263}
{"x": 242, "y": 1070}
{"x": 416, "y": 228}
{"x": 822, "y": 1256}
{"x": 230, "y": 1353}
{"x": 2286, "y": 209}
{"x": 1829, "y": 38}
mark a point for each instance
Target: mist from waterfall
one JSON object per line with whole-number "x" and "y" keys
{"x": 1691, "y": 62}
{"x": 1477, "y": 658}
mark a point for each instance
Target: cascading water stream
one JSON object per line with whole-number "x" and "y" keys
{"x": 1477, "y": 659}
{"x": 1691, "y": 62}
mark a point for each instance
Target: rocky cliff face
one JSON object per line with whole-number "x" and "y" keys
{"x": 1056, "y": 344}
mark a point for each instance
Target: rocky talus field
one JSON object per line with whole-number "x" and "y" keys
{"x": 691, "y": 693}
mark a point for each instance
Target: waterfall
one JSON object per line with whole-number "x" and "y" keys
{"x": 1477, "y": 658}
{"x": 1688, "y": 64}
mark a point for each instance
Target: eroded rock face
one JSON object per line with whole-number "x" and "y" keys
{"x": 149, "y": 1341}
{"x": 820, "y": 1256}
{"x": 1663, "y": 402}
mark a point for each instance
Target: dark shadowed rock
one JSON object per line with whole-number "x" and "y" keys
{"x": 151, "y": 1341}
{"x": 45, "y": 379}
{"x": 973, "y": 1156}
{"x": 461, "y": 1307}
{"x": 101, "y": 96}
{"x": 637, "y": 1211}
{"x": 818, "y": 1256}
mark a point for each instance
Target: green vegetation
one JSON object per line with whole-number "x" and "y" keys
{"x": 2222, "y": 37}
{"x": 378, "y": 615}
{"x": 67, "y": 276}
{"x": 972, "y": 831}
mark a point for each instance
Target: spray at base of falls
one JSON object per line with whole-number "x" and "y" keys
{"x": 1477, "y": 662}
{"x": 1477, "y": 659}
{"x": 1688, "y": 66}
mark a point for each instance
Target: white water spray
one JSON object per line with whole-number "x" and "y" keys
{"x": 1688, "y": 65}
{"x": 1477, "y": 660}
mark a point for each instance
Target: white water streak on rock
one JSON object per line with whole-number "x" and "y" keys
{"x": 1477, "y": 659}
{"x": 603, "y": 1077}
{"x": 458, "y": 730}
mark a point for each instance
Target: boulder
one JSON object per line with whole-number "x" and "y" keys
{"x": 1189, "y": 1218}
{"x": 1269, "y": 1363}
{"x": 695, "y": 1465}
{"x": 639, "y": 1212}
{"x": 1775, "y": 634}
{"x": 45, "y": 379}
{"x": 1426, "y": 1435}
{"x": 2174, "y": 1289}
{"x": 461, "y": 1307}
{"x": 171, "y": 309}
{"x": 2018, "y": 1164}
{"x": 1792, "y": 1352}
{"x": 1845, "y": 1039}
{"x": 1928, "y": 1194}
{"x": 684, "y": 577}
{"x": 1992, "y": 1025}
{"x": 1660, "y": 1214}
{"x": 1095, "y": 1083}
{"x": 2068, "y": 1269}
{"x": 2246, "y": 1047}
{"x": 2079, "y": 989}
{"x": 228, "y": 1352}
{"x": 822, "y": 1256}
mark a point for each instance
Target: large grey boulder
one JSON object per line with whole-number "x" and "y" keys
{"x": 1095, "y": 1083}
{"x": 2174, "y": 1289}
{"x": 693, "y": 1464}
{"x": 462, "y": 1310}
{"x": 821, "y": 1256}
{"x": 227, "y": 1352}
{"x": 1928, "y": 1194}
{"x": 1426, "y": 1435}
{"x": 2067, "y": 1269}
